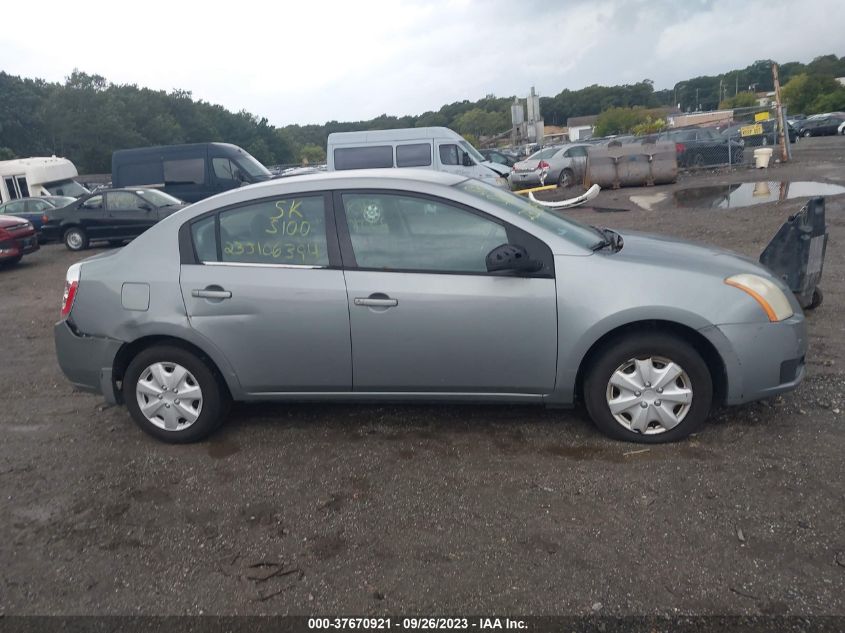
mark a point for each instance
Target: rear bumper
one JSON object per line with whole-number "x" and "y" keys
{"x": 87, "y": 361}
{"x": 761, "y": 359}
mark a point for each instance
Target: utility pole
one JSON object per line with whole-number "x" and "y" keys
{"x": 736, "y": 87}
{"x": 781, "y": 123}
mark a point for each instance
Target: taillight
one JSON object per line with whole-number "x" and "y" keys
{"x": 71, "y": 287}
{"x": 542, "y": 165}
{"x": 680, "y": 147}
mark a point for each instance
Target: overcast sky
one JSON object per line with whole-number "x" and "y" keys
{"x": 309, "y": 62}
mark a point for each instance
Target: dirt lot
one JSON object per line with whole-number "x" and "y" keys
{"x": 356, "y": 510}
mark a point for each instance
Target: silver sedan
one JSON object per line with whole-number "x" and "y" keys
{"x": 563, "y": 165}
{"x": 417, "y": 286}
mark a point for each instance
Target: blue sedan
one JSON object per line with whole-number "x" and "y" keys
{"x": 33, "y": 209}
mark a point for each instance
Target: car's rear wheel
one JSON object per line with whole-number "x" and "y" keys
{"x": 648, "y": 388}
{"x": 173, "y": 395}
{"x": 698, "y": 160}
{"x": 76, "y": 239}
{"x": 566, "y": 179}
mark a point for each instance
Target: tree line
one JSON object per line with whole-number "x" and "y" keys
{"x": 86, "y": 118}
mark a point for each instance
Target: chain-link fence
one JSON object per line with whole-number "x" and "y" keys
{"x": 727, "y": 137}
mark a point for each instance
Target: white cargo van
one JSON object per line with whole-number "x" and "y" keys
{"x": 421, "y": 147}
{"x": 39, "y": 176}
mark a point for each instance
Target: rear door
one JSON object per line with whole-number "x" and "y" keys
{"x": 426, "y": 316}
{"x": 128, "y": 215}
{"x": 263, "y": 282}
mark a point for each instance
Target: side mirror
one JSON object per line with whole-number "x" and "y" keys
{"x": 467, "y": 160}
{"x": 511, "y": 257}
{"x": 146, "y": 207}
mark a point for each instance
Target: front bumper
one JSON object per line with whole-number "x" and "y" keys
{"x": 761, "y": 359}
{"x": 87, "y": 361}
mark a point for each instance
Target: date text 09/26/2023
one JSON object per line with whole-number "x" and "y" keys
{"x": 417, "y": 623}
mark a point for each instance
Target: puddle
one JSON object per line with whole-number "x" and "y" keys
{"x": 747, "y": 194}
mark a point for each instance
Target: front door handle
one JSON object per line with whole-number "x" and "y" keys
{"x": 375, "y": 303}
{"x": 208, "y": 293}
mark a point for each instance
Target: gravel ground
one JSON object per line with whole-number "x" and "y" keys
{"x": 412, "y": 509}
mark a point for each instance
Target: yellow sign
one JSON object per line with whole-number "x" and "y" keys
{"x": 751, "y": 130}
{"x": 761, "y": 116}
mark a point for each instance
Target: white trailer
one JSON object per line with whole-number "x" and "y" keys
{"x": 38, "y": 176}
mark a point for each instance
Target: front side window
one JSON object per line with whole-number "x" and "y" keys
{"x": 225, "y": 169}
{"x": 400, "y": 232}
{"x": 124, "y": 201}
{"x": 449, "y": 154}
{"x": 188, "y": 171}
{"x": 288, "y": 231}
{"x": 363, "y": 157}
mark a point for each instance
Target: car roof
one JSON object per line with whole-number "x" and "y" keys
{"x": 392, "y": 175}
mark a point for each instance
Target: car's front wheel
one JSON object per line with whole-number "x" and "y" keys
{"x": 173, "y": 395}
{"x": 566, "y": 179}
{"x": 648, "y": 388}
{"x": 76, "y": 239}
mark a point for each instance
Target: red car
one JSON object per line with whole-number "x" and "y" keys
{"x": 17, "y": 238}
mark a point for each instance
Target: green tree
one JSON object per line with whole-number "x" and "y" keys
{"x": 311, "y": 154}
{"x": 740, "y": 100}
{"x": 811, "y": 94}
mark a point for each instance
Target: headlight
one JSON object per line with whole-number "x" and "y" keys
{"x": 768, "y": 295}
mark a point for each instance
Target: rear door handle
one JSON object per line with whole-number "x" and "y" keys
{"x": 375, "y": 303}
{"x": 205, "y": 293}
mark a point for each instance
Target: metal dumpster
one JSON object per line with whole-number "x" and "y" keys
{"x": 796, "y": 253}
{"x": 631, "y": 165}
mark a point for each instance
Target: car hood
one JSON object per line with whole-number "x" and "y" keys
{"x": 502, "y": 170}
{"x": 670, "y": 253}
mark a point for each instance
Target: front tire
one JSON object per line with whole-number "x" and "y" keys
{"x": 76, "y": 239}
{"x": 173, "y": 395}
{"x": 648, "y": 388}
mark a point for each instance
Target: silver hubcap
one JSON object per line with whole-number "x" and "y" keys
{"x": 74, "y": 240}
{"x": 169, "y": 396}
{"x": 649, "y": 395}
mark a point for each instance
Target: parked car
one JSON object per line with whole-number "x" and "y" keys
{"x": 33, "y": 209}
{"x": 769, "y": 135}
{"x": 115, "y": 215}
{"x": 698, "y": 147}
{"x": 498, "y": 156}
{"x": 420, "y": 286}
{"x": 823, "y": 125}
{"x": 561, "y": 164}
{"x": 17, "y": 238}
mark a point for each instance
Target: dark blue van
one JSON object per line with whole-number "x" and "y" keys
{"x": 189, "y": 172}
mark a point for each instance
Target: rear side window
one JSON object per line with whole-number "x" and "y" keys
{"x": 288, "y": 231}
{"x": 416, "y": 155}
{"x": 363, "y": 157}
{"x": 148, "y": 173}
{"x": 188, "y": 171}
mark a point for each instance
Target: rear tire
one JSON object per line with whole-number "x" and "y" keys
{"x": 566, "y": 179}
{"x": 76, "y": 239}
{"x": 671, "y": 412}
{"x": 150, "y": 381}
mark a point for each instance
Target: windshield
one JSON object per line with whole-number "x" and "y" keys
{"x": 543, "y": 153}
{"x": 248, "y": 164}
{"x": 158, "y": 198}
{"x": 469, "y": 149}
{"x": 65, "y": 188}
{"x": 570, "y": 230}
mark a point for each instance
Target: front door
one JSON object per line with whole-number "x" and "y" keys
{"x": 425, "y": 314}
{"x": 267, "y": 289}
{"x": 128, "y": 214}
